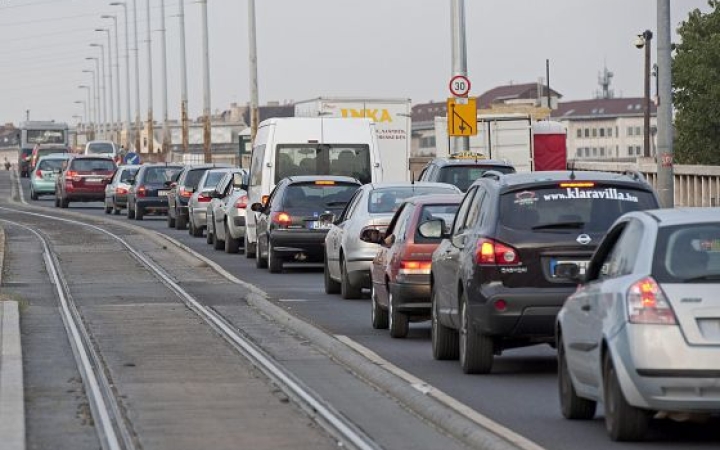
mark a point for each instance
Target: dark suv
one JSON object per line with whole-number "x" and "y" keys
{"x": 494, "y": 284}
{"x": 181, "y": 190}
{"x": 149, "y": 189}
{"x": 461, "y": 170}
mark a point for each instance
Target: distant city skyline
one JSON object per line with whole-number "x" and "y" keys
{"x": 374, "y": 48}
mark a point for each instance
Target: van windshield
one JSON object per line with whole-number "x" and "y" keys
{"x": 464, "y": 176}
{"x": 352, "y": 160}
{"x": 101, "y": 148}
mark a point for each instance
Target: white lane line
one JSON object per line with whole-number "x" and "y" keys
{"x": 429, "y": 390}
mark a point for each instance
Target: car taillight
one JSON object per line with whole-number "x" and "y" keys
{"x": 120, "y": 190}
{"x": 282, "y": 219}
{"x": 242, "y": 202}
{"x": 185, "y": 193}
{"x": 70, "y": 175}
{"x": 204, "y": 198}
{"x": 490, "y": 252}
{"x": 415, "y": 267}
{"x": 141, "y": 191}
{"x": 647, "y": 304}
{"x": 38, "y": 174}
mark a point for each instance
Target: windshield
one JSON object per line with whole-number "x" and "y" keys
{"x": 213, "y": 178}
{"x": 101, "y": 148}
{"x": 193, "y": 177}
{"x": 323, "y": 159}
{"x": 45, "y": 136}
{"x": 92, "y": 165}
{"x": 688, "y": 253}
{"x": 591, "y": 208}
{"x": 160, "y": 174}
{"x": 387, "y": 200}
{"x": 51, "y": 164}
{"x": 127, "y": 174}
{"x": 313, "y": 195}
{"x": 464, "y": 176}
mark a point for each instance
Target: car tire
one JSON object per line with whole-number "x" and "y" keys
{"x": 130, "y": 213}
{"x": 572, "y": 406}
{"x": 260, "y": 262}
{"x": 196, "y": 231}
{"x": 331, "y": 286}
{"x": 232, "y": 245}
{"x": 180, "y": 221}
{"x": 170, "y": 220}
{"x": 445, "y": 341}
{"x": 217, "y": 243}
{"x": 476, "y": 349}
{"x": 347, "y": 289}
{"x": 378, "y": 315}
{"x": 275, "y": 262}
{"x": 623, "y": 421}
{"x": 209, "y": 236}
{"x": 108, "y": 209}
{"x": 139, "y": 212}
{"x": 398, "y": 322}
{"x": 250, "y": 249}
{"x": 33, "y": 195}
{"x": 64, "y": 203}
{"x": 116, "y": 210}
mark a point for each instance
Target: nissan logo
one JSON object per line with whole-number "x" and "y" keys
{"x": 583, "y": 239}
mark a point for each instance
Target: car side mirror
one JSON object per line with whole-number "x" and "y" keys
{"x": 371, "y": 235}
{"x": 257, "y": 207}
{"x": 215, "y": 194}
{"x": 328, "y": 218}
{"x": 173, "y": 185}
{"x": 458, "y": 241}
{"x": 569, "y": 271}
{"x": 243, "y": 186}
{"x": 432, "y": 229}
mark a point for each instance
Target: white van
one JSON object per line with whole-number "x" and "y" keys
{"x": 309, "y": 146}
{"x": 102, "y": 148}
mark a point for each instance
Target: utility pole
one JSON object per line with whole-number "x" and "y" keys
{"x": 138, "y": 120}
{"x": 459, "y": 51}
{"x": 206, "y": 84}
{"x": 665, "y": 153}
{"x": 254, "y": 113}
{"x": 183, "y": 83}
{"x": 150, "y": 132}
{"x": 163, "y": 47}
{"x": 128, "y": 115}
{"x": 645, "y": 41}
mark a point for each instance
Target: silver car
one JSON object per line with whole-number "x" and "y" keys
{"x": 348, "y": 259}
{"x": 226, "y": 212}
{"x": 200, "y": 199}
{"x": 642, "y": 333}
{"x": 117, "y": 190}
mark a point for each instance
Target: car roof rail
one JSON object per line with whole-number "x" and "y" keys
{"x": 635, "y": 175}
{"x": 494, "y": 174}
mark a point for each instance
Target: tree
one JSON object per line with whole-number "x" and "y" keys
{"x": 696, "y": 84}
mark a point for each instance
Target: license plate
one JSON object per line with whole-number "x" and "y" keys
{"x": 318, "y": 225}
{"x": 163, "y": 193}
{"x": 93, "y": 180}
{"x": 581, "y": 264}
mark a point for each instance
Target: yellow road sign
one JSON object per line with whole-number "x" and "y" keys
{"x": 462, "y": 116}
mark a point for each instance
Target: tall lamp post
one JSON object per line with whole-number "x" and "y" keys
{"x": 118, "y": 103}
{"x": 644, "y": 40}
{"x": 163, "y": 69}
{"x": 459, "y": 50}
{"x": 98, "y": 97}
{"x": 183, "y": 83}
{"x": 150, "y": 120}
{"x": 128, "y": 115}
{"x": 206, "y": 83}
{"x": 92, "y": 117}
{"x": 103, "y": 89}
{"x": 110, "y": 93}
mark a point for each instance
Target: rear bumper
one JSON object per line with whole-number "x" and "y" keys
{"x": 236, "y": 227}
{"x": 413, "y": 297}
{"x": 199, "y": 217}
{"x": 80, "y": 196}
{"x": 288, "y": 243}
{"x": 43, "y": 187}
{"x": 156, "y": 203}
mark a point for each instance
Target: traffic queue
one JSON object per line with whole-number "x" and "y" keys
{"x": 585, "y": 262}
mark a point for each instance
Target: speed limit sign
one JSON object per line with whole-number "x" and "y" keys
{"x": 459, "y": 86}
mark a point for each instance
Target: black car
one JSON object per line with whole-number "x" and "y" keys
{"x": 461, "y": 170}
{"x": 494, "y": 284}
{"x": 289, "y": 226}
{"x": 181, "y": 189}
{"x": 149, "y": 189}
{"x": 24, "y": 158}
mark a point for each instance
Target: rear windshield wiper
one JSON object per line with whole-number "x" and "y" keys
{"x": 707, "y": 277}
{"x": 550, "y": 226}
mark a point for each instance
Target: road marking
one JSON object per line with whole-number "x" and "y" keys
{"x": 294, "y": 300}
{"x": 20, "y": 188}
{"x": 427, "y": 389}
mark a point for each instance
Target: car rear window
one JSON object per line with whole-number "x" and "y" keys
{"x": 388, "y": 200}
{"x": 464, "y": 176}
{"x": 127, "y": 174}
{"x": 582, "y": 206}
{"x": 213, "y": 178}
{"x": 92, "y": 165}
{"x": 193, "y": 177}
{"x": 160, "y": 174}
{"x": 328, "y": 195}
{"x": 430, "y": 212}
{"x": 51, "y": 164}
{"x": 48, "y": 151}
{"x": 688, "y": 253}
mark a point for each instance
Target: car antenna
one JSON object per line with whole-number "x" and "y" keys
{"x": 572, "y": 170}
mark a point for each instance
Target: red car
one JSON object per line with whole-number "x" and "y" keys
{"x": 401, "y": 269}
{"x": 83, "y": 180}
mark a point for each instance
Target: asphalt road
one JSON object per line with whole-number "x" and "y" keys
{"x": 521, "y": 392}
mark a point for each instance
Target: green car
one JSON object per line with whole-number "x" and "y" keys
{"x": 42, "y": 180}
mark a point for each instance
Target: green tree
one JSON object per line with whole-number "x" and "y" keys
{"x": 696, "y": 83}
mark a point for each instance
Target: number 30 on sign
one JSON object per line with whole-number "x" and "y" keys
{"x": 459, "y": 86}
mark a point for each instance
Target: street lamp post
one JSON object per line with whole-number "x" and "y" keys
{"x": 111, "y": 116}
{"x": 459, "y": 50}
{"x": 183, "y": 83}
{"x": 128, "y": 114}
{"x": 206, "y": 83}
{"x": 98, "y": 97}
{"x": 150, "y": 131}
{"x": 103, "y": 89}
{"x": 91, "y": 118}
{"x": 118, "y": 103}
{"x": 665, "y": 151}
{"x": 163, "y": 68}
{"x": 644, "y": 41}
{"x": 254, "y": 116}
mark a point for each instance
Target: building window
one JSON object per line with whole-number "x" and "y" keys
{"x": 631, "y": 150}
{"x": 594, "y": 151}
{"x": 587, "y": 151}
{"x": 638, "y": 131}
{"x": 638, "y": 150}
{"x": 602, "y": 132}
{"x": 594, "y": 132}
{"x": 602, "y": 151}
{"x": 609, "y": 132}
{"x": 587, "y": 132}
{"x": 630, "y": 131}
{"x": 579, "y": 132}
{"x": 578, "y": 152}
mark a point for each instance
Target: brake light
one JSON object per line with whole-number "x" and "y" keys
{"x": 325, "y": 183}
{"x": 585, "y": 184}
{"x": 185, "y": 193}
{"x": 647, "y": 304}
{"x": 38, "y": 174}
{"x": 415, "y": 267}
{"x": 204, "y": 198}
{"x": 490, "y": 252}
{"x": 141, "y": 191}
{"x": 242, "y": 202}
{"x": 120, "y": 190}
{"x": 281, "y": 219}
{"x": 70, "y": 175}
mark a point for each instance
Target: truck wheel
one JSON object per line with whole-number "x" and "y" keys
{"x": 476, "y": 349}
{"x": 445, "y": 341}
{"x": 232, "y": 245}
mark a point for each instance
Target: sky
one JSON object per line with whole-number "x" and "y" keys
{"x": 311, "y": 48}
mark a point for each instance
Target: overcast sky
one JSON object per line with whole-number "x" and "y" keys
{"x": 309, "y": 48}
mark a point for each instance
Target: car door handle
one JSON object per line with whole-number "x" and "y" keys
{"x": 586, "y": 307}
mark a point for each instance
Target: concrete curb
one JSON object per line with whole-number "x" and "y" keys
{"x": 12, "y": 400}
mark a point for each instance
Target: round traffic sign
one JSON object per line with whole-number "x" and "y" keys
{"x": 459, "y": 86}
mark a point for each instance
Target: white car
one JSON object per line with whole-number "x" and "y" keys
{"x": 227, "y": 211}
{"x": 199, "y": 200}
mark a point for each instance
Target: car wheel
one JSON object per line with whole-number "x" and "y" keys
{"x": 57, "y": 202}
{"x": 180, "y": 221}
{"x": 398, "y": 322}
{"x": 64, "y": 203}
{"x": 116, "y": 209}
{"x": 623, "y": 421}
{"x": 108, "y": 208}
{"x": 217, "y": 243}
{"x": 250, "y": 249}
{"x": 331, "y": 286}
{"x": 170, "y": 220}
{"x": 209, "y": 236}
{"x": 572, "y": 406}
{"x": 275, "y": 262}
{"x": 130, "y": 213}
{"x": 445, "y": 341}
{"x": 379, "y": 316}
{"x": 33, "y": 195}
{"x": 476, "y": 349}
{"x": 232, "y": 245}
{"x": 260, "y": 262}
{"x": 139, "y": 212}
{"x": 347, "y": 289}
{"x": 196, "y": 231}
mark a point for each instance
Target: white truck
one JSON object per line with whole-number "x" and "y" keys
{"x": 393, "y": 123}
